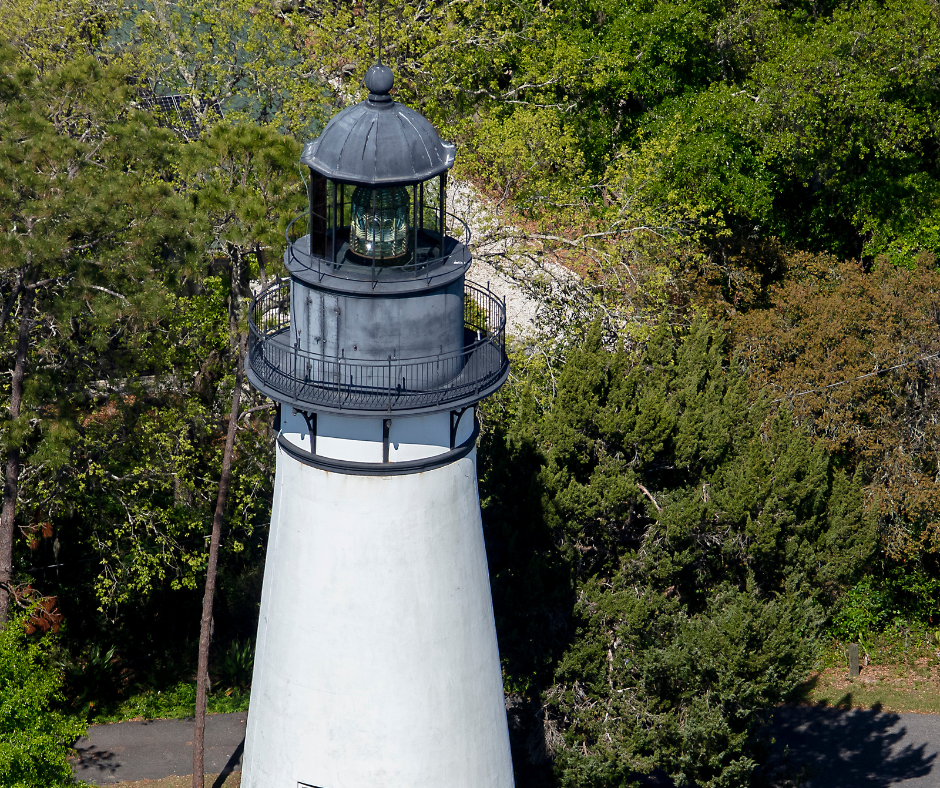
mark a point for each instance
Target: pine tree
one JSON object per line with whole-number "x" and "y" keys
{"x": 90, "y": 237}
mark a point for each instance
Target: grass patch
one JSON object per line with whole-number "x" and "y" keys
{"x": 896, "y": 688}
{"x": 172, "y": 703}
{"x": 900, "y": 672}
{"x": 234, "y": 780}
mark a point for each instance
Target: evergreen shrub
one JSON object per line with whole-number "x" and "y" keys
{"x": 665, "y": 552}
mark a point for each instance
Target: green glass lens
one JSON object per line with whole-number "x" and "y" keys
{"x": 379, "y": 226}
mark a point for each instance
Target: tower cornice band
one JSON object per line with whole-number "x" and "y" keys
{"x": 381, "y": 468}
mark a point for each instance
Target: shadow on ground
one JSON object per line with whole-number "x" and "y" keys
{"x": 233, "y": 763}
{"x": 841, "y": 747}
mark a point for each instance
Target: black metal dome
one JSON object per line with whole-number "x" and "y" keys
{"x": 379, "y": 141}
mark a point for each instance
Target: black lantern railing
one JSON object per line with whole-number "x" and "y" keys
{"x": 303, "y": 378}
{"x": 426, "y": 257}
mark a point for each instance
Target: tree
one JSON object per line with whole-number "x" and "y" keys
{"x": 236, "y": 176}
{"x": 705, "y": 538}
{"x": 853, "y": 354}
{"x": 824, "y": 139}
{"x": 91, "y": 233}
{"x": 248, "y": 56}
{"x": 47, "y": 34}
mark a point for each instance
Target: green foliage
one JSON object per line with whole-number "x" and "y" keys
{"x": 88, "y": 215}
{"x": 891, "y": 594}
{"x": 690, "y": 685}
{"x": 863, "y": 611}
{"x": 234, "y": 668}
{"x": 130, "y": 373}
{"x": 244, "y": 54}
{"x": 136, "y": 491}
{"x": 91, "y": 679}
{"x": 34, "y": 737}
{"x": 175, "y": 701}
{"x": 242, "y": 183}
{"x": 80, "y": 28}
{"x": 824, "y": 137}
{"x": 687, "y": 546}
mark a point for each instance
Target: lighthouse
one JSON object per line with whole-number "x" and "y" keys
{"x": 376, "y": 661}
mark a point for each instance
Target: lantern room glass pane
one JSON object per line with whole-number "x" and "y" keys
{"x": 318, "y": 214}
{"x": 364, "y": 225}
{"x": 380, "y": 222}
{"x": 431, "y": 214}
{"x": 430, "y": 207}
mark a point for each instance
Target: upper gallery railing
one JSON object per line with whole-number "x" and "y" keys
{"x": 424, "y": 262}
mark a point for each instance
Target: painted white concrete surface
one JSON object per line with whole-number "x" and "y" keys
{"x": 359, "y": 439}
{"x": 376, "y": 661}
{"x": 345, "y": 438}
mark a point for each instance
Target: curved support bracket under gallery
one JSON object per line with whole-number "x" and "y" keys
{"x": 381, "y": 468}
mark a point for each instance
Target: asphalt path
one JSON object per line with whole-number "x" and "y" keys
{"x": 858, "y": 748}
{"x": 820, "y": 747}
{"x": 153, "y": 749}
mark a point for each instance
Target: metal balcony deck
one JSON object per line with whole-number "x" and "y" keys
{"x": 311, "y": 382}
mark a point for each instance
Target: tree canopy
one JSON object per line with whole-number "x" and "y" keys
{"x": 720, "y": 445}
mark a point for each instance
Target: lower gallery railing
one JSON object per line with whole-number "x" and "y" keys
{"x": 394, "y": 384}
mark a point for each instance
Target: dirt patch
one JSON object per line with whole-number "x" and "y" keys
{"x": 234, "y": 780}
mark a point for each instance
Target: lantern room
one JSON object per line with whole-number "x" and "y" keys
{"x": 378, "y": 183}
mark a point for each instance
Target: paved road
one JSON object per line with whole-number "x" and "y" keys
{"x": 154, "y": 749}
{"x": 833, "y": 748}
{"x": 858, "y": 749}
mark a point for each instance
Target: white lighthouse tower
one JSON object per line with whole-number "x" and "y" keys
{"x": 376, "y": 663}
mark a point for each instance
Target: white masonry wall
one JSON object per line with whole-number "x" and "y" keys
{"x": 376, "y": 663}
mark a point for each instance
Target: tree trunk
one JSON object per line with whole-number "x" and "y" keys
{"x": 205, "y": 634}
{"x": 11, "y": 478}
{"x": 262, "y": 265}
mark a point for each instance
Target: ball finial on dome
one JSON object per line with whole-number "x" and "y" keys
{"x": 379, "y": 80}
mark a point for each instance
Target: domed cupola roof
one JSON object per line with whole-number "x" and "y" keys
{"x": 379, "y": 141}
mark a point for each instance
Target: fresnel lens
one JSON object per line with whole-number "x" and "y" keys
{"x": 379, "y": 227}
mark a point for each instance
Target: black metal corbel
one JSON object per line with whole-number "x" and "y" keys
{"x": 455, "y": 417}
{"x": 386, "y": 428}
{"x": 311, "y": 419}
